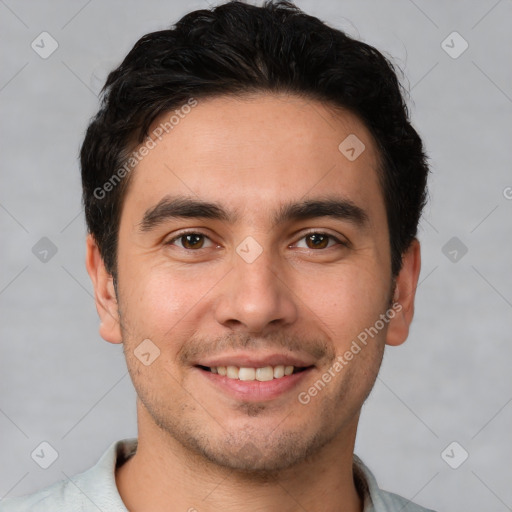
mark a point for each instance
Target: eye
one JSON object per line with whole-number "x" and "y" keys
{"x": 191, "y": 241}
{"x": 318, "y": 240}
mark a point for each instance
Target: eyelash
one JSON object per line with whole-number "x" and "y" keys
{"x": 185, "y": 233}
{"x": 331, "y": 237}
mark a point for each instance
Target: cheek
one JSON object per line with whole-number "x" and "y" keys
{"x": 346, "y": 300}
{"x": 160, "y": 308}
{"x": 162, "y": 304}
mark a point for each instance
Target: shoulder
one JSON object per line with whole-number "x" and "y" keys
{"x": 56, "y": 497}
{"x": 389, "y": 501}
{"x": 377, "y": 500}
{"x": 91, "y": 490}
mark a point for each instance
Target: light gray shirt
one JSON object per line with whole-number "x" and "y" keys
{"x": 95, "y": 489}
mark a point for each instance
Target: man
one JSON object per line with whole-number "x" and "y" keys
{"x": 252, "y": 189}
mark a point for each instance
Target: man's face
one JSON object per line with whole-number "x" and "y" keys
{"x": 266, "y": 278}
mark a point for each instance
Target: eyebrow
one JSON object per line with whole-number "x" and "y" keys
{"x": 339, "y": 209}
{"x": 189, "y": 208}
{"x": 185, "y": 208}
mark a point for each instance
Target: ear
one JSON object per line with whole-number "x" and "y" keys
{"x": 104, "y": 293}
{"x": 405, "y": 291}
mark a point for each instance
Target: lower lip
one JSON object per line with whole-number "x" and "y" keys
{"x": 254, "y": 390}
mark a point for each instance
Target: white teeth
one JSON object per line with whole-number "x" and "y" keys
{"x": 278, "y": 371}
{"x": 264, "y": 374}
{"x": 232, "y": 372}
{"x": 248, "y": 374}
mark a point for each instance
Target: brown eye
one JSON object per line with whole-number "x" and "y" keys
{"x": 317, "y": 241}
{"x": 194, "y": 241}
{"x": 191, "y": 241}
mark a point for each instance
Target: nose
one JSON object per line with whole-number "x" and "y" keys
{"x": 255, "y": 297}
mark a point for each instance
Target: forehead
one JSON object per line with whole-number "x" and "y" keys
{"x": 255, "y": 152}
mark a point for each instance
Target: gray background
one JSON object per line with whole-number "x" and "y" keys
{"x": 451, "y": 381}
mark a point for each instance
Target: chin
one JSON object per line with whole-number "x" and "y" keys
{"x": 257, "y": 454}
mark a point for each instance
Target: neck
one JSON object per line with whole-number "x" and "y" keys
{"x": 164, "y": 474}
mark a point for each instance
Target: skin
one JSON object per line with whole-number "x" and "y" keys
{"x": 200, "y": 447}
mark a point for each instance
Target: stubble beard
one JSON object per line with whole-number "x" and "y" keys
{"x": 260, "y": 455}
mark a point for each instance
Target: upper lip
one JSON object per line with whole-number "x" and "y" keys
{"x": 251, "y": 360}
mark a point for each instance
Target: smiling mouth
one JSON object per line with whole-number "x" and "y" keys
{"x": 264, "y": 374}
